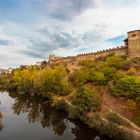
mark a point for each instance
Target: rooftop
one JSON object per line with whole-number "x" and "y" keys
{"x": 134, "y": 31}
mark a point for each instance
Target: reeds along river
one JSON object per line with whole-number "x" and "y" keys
{"x": 32, "y": 118}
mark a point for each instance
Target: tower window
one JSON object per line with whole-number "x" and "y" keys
{"x": 133, "y": 35}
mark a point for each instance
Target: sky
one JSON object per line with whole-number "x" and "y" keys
{"x": 31, "y": 30}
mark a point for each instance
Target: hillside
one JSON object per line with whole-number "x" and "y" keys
{"x": 104, "y": 93}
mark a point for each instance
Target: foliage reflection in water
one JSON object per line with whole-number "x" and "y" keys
{"x": 23, "y": 116}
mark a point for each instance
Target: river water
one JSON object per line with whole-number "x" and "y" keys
{"x": 32, "y": 118}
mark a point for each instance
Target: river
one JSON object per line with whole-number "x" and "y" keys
{"x": 32, "y": 118}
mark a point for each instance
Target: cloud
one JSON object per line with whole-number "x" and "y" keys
{"x": 67, "y": 9}
{"x": 34, "y": 29}
{"x": 32, "y": 10}
{"x": 48, "y": 41}
{"x": 5, "y": 42}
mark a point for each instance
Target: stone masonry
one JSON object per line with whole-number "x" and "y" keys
{"x": 131, "y": 48}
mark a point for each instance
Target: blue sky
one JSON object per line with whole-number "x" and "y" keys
{"x": 31, "y": 30}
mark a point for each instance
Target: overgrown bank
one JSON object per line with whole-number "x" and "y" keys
{"x": 81, "y": 93}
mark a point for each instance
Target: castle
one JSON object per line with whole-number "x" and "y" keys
{"x": 131, "y": 48}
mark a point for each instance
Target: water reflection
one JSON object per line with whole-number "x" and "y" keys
{"x": 1, "y": 121}
{"x": 38, "y": 110}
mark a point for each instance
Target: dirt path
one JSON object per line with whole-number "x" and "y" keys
{"x": 132, "y": 129}
{"x": 135, "y": 127}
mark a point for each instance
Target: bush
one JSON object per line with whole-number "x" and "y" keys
{"x": 109, "y": 72}
{"x": 45, "y": 82}
{"x": 80, "y": 76}
{"x": 84, "y": 101}
{"x": 113, "y": 61}
{"x": 88, "y": 63}
{"x": 99, "y": 79}
{"x": 131, "y": 104}
{"x": 128, "y": 87}
{"x": 117, "y": 76}
{"x": 125, "y": 65}
{"x": 132, "y": 71}
{"x": 59, "y": 104}
{"x": 116, "y": 133}
{"x": 137, "y": 118}
{"x": 114, "y": 118}
{"x": 73, "y": 113}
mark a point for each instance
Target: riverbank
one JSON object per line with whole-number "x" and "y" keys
{"x": 26, "y": 117}
{"x": 104, "y": 92}
{"x": 115, "y": 131}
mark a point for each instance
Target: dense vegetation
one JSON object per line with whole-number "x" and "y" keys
{"x": 83, "y": 102}
{"x": 118, "y": 74}
{"x": 46, "y": 82}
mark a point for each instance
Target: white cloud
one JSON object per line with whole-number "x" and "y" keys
{"x": 87, "y": 30}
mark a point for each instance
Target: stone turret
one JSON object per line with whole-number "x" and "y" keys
{"x": 51, "y": 57}
{"x": 134, "y": 43}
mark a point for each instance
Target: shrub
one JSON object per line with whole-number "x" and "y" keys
{"x": 127, "y": 86}
{"x": 125, "y": 65}
{"x": 44, "y": 82}
{"x": 58, "y": 103}
{"x": 113, "y": 118}
{"x": 88, "y": 63}
{"x": 111, "y": 55}
{"x": 80, "y": 76}
{"x": 113, "y": 61}
{"x": 109, "y": 72}
{"x": 117, "y": 76}
{"x": 99, "y": 79}
{"x": 136, "y": 60}
{"x": 132, "y": 71}
{"x": 84, "y": 101}
{"x": 73, "y": 113}
{"x": 131, "y": 104}
{"x": 137, "y": 118}
{"x": 116, "y": 133}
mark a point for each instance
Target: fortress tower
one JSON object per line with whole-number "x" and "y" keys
{"x": 133, "y": 43}
{"x": 51, "y": 57}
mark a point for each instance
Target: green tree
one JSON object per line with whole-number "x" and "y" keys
{"x": 80, "y": 76}
{"x": 109, "y": 72}
{"x": 85, "y": 101}
{"x": 128, "y": 86}
{"x": 99, "y": 79}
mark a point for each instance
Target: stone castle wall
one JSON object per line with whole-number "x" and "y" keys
{"x": 92, "y": 55}
{"x": 131, "y": 48}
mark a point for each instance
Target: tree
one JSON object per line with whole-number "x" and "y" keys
{"x": 109, "y": 72}
{"x": 99, "y": 79}
{"x": 80, "y": 76}
{"x": 84, "y": 101}
{"x": 127, "y": 86}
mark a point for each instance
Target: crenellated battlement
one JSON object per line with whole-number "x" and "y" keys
{"x": 131, "y": 48}
{"x": 103, "y": 51}
{"x": 91, "y": 55}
